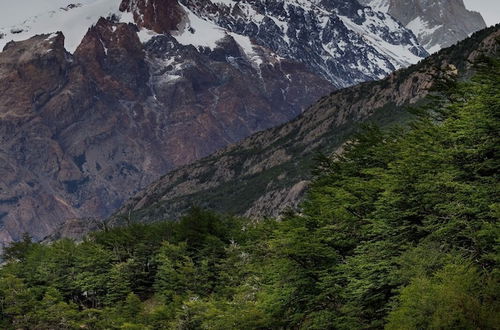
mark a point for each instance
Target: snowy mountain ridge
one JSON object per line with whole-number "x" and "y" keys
{"x": 342, "y": 41}
{"x": 331, "y": 37}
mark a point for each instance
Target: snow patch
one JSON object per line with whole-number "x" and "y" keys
{"x": 421, "y": 27}
{"x": 248, "y": 48}
{"x": 199, "y": 32}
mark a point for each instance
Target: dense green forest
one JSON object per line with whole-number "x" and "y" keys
{"x": 400, "y": 231}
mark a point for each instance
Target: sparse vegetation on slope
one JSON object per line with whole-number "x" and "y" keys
{"x": 263, "y": 170}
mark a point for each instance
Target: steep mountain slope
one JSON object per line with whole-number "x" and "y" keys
{"x": 436, "y": 23}
{"x": 81, "y": 133}
{"x": 154, "y": 85}
{"x": 268, "y": 172}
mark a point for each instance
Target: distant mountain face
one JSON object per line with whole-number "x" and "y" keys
{"x": 436, "y": 23}
{"x": 131, "y": 89}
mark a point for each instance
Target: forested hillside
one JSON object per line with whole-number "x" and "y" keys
{"x": 399, "y": 231}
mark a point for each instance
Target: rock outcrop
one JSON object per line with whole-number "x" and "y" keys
{"x": 161, "y": 16}
{"x": 114, "y": 58}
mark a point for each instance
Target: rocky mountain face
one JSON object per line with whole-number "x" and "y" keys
{"x": 269, "y": 172}
{"x": 436, "y": 23}
{"x": 154, "y": 85}
{"x": 82, "y": 132}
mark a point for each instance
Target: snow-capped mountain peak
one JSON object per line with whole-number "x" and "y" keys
{"x": 342, "y": 41}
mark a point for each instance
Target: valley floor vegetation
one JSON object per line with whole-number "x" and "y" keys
{"x": 401, "y": 231}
